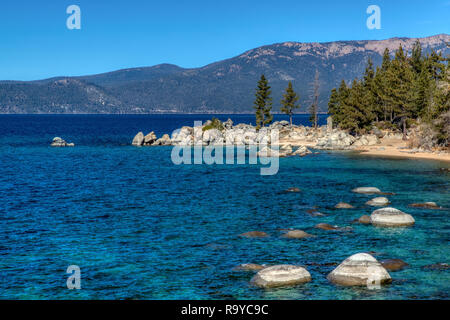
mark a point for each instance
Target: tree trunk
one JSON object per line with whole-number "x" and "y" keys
{"x": 404, "y": 129}
{"x": 290, "y": 119}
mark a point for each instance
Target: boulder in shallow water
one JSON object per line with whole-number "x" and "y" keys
{"x": 301, "y": 151}
{"x": 360, "y": 269}
{"x": 281, "y": 276}
{"x": 326, "y": 226}
{"x": 254, "y": 234}
{"x": 437, "y": 266}
{"x": 249, "y": 267}
{"x": 343, "y": 205}
{"x": 378, "y": 202}
{"x": 391, "y": 217}
{"x": 425, "y": 205}
{"x": 393, "y": 264}
{"x": 366, "y": 190}
{"x": 297, "y": 234}
{"x": 365, "y": 219}
{"x": 293, "y": 190}
{"x": 138, "y": 140}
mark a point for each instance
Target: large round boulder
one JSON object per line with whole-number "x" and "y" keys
{"x": 280, "y": 276}
{"x": 391, "y": 217}
{"x": 367, "y": 190}
{"x": 378, "y": 202}
{"x": 360, "y": 269}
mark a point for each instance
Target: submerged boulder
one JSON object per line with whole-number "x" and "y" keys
{"x": 378, "y": 202}
{"x": 326, "y": 226}
{"x": 391, "y": 217}
{"x": 249, "y": 267}
{"x": 280, "y": 276}
{"x": 366, "y": 190}
{"x": 365, "y": 219}
{"x": 343, "y": 205}
{"x": 393, "y": 264}
{"x": 293, "y": 190}
{"x": 360, "y": 269}
{"x": 425, "y": 205}
{"x": 254, "y": 234}
{"x": 297, "y": 234}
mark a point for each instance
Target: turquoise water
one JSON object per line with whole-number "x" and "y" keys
{"x": 140, "y": 227}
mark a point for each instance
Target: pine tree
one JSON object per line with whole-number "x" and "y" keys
{"x": 263, "y": 103}
{"x": 315, "y": 105}
{"x": 369, "y": 94}
{"x": 289, "y": 102}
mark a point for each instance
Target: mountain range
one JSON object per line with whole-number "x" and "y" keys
{"x": 226, "y": 86}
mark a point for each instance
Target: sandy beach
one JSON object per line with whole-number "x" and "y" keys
{"x": 388, "y": 147}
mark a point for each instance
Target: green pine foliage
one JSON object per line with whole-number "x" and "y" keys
{"x": 263, "y": 103}
{"x": 289, "y": 102}
{"x": 401, "y": 91}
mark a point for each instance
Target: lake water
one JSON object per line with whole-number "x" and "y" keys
{"x": 140, "y": 227}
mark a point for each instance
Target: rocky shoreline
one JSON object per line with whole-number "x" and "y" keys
{"x": 292, "y": 140}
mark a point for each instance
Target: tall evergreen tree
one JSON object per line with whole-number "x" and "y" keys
{"x": 263, "y": 103}
{"x": 315, "y": 104}
{"x": 289, "y": 101}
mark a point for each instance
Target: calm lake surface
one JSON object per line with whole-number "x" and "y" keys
{"x": 141, "y": 227}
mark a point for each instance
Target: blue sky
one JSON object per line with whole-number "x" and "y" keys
{"x": 35, "y": 42}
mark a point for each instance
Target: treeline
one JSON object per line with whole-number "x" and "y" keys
{"x": 263, "y": 103}
{"x": 403, "y": 91}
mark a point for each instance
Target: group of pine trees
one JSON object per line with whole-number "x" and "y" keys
{"x": 402, "y": 91}
{"x": 263, "y": 103}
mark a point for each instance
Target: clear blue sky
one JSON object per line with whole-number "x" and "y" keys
{"x": 36, "y": 44}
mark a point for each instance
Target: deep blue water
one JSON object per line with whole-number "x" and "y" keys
{"x": 140, "y": 227}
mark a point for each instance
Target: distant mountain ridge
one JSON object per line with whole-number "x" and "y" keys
{"x": 226, "y": 86}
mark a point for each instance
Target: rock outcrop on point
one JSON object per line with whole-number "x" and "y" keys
{"x": 378, "y": 202}
{"x": 360, "y": 269}
{"x": 58, "y": 142}
{"x": 391, "y": 217}
{"x": 367, "y": 190}
{"x": 281, "y": 276}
